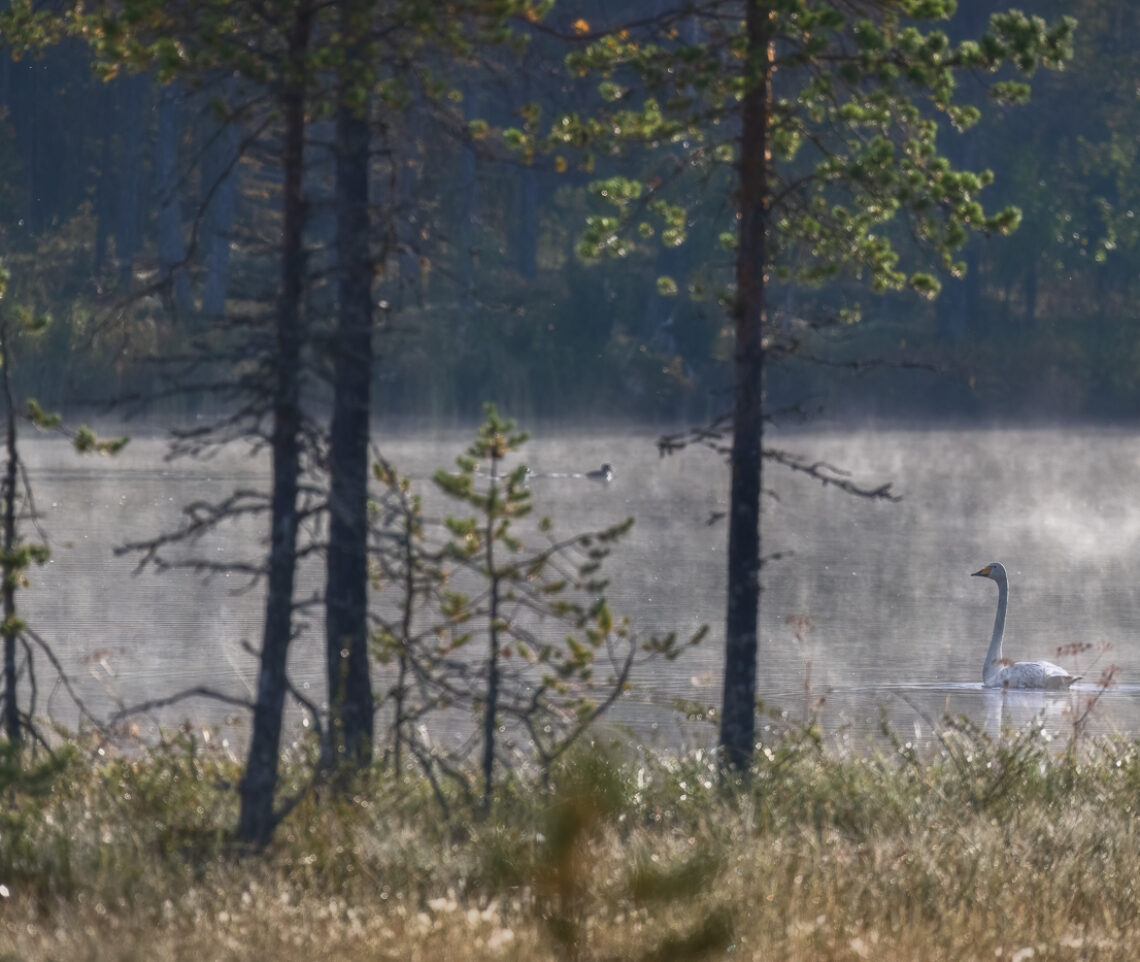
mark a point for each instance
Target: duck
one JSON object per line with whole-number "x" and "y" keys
{"x": 604, "y": 474}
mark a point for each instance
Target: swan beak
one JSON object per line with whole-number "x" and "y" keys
{"x": 984, "y": 573}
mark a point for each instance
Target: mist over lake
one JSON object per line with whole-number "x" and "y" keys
{"x": 868, "y": 608}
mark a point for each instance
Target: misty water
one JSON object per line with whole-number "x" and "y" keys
{"x": 871, "y": 609}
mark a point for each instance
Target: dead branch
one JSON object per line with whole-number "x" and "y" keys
{"x": 199, "y": 691}
{"x": 63, "y": 678}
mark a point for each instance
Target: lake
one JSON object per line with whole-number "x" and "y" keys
{"x": 870, "y": 610}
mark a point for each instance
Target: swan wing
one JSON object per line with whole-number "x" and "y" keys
{"x": 1036, "y": 674}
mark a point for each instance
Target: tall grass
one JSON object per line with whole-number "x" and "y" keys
{"x": 983, "y": 848}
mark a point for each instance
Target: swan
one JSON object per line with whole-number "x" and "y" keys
{"x": 999, "y": 673}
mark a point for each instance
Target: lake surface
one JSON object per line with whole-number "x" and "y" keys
{"x": 870, "y": 611}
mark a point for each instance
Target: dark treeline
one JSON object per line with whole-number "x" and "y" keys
{"x": 144, "y": 207}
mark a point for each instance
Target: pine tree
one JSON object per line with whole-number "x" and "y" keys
{"x": 817, "y": 124}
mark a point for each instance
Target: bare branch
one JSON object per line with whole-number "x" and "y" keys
{"x": 199, "y": 691}
{"x": 63, "y": 678}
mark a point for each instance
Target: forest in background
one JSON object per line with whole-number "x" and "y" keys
{"x": 138, "y": 213}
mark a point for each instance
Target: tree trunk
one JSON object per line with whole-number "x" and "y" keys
{"x": 36, "y": 115}
{"x": 171, "y": 244}
{"x": 491, "y": 710}
{"x": 524, "y": 236}
{"x": 346, "y": 594}
{"x": 257, "y": 820}
{"x": 219, "y": 192}
{"x": 738, "y": 720}
{"x": 957, "y": 306}
{"x": 103, "y": 190}
{"x": 661, "y": 309}
{"x": 127, "y": 233}
{"x": 1031, "y": 295}
{"x": 27, "y": 112}
{"x": 406, "y": 183}
{"x": 469, "y": 204}
{"x": 12, "y": 729}
{"x": 526, "y": 233}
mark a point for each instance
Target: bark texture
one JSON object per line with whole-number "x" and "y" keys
{"x": 171, "y": 243}
{"x": 346, "y": 594}
{"x": 219, "y": 190}
{"x": 257, "y": 819}
{"x": 738, "y": 718}
{"x": 12, "y": 728}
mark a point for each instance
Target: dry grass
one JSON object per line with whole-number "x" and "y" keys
{"x": 988, "y": 849}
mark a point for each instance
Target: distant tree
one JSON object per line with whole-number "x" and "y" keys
{"x": 134, "y": 92}
{"x": 171, "y": 243}
{"x": 818, "y": 121}
{"x": 407, "y": 575}
{"x": 1066, "y": 283}
{"x": 516, "y": 593}
{"x": 18, "y": 554}
{"x": 221, "y": 152}
{"x": 18, "y": 325}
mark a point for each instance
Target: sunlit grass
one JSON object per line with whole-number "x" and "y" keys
{"x": 978, "y": 849}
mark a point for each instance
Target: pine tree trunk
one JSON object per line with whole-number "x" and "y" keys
{"x": 526, "y": 237}
{"x": 219, "y": 191}
{"x": 12, "y": 728}
{"x": 134, "y": 91}
{"x": 346, "y": 594}
{"x": 103, "y": 190}
{"x": 469, "y": 204}
{"x": 406, "y": 182}
{"x": 30, "y": 115}
{"x": 171, "y": 244}
{"x": 738, "y": 721}
{"x": 1030, "y": 283}
{"x": 257, "y": 820}
{"x": 491, "y": 709}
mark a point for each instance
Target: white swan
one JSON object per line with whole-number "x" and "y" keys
{"x": 999, "y": 673}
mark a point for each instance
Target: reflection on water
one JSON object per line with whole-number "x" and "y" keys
{"x": 917, "y": 712}
{"x": 870, "y": 610}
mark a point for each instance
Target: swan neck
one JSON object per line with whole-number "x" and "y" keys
{"x": 993, "y": 656}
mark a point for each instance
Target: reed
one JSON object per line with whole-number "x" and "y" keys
{"x": 974, "y": 848}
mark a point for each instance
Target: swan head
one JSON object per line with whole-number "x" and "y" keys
{"x": 995, "y": 571}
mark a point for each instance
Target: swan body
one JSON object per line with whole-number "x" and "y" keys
{"x": 999, "y": 673}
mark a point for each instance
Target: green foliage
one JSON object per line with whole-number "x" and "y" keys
{"x": 41, "y": 418}
{"x": 17, "y": 324}
{"x": 86, "y": 441}
{"x": 493, "y": 614}
{"x": 851, "y": 136}
{"x": 246, "y": 37}
{"x": 578, "y": 343}
{"x": 490, "y": 581}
